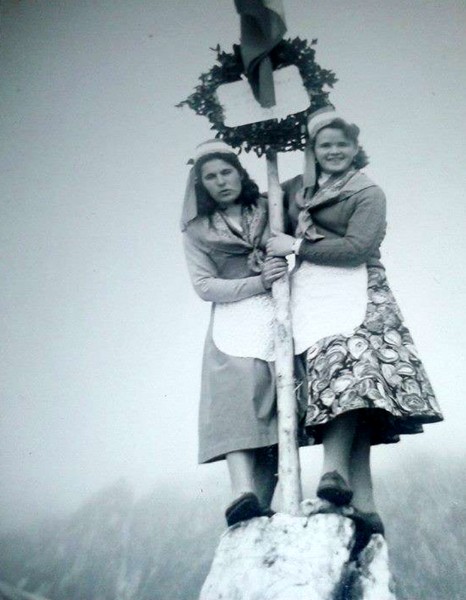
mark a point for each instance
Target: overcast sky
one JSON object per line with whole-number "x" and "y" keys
{"x": 101, "y": 332}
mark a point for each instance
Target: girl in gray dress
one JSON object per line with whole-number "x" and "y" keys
{"x": 225, "y": 229}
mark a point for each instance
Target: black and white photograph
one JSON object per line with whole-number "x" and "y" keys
{"x": 232, "y": 241}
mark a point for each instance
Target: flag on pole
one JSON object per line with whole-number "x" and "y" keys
{"x": 262, "y": 27}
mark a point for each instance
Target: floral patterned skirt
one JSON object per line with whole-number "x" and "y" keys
{"x": 376, "y": 369}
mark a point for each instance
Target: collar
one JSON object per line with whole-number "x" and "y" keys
{"x": 358, "y": 182}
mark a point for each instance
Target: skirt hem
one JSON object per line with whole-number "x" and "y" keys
{"x": 375, "y": 369}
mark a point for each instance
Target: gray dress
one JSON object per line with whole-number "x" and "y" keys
{"x": 238, "y": 402}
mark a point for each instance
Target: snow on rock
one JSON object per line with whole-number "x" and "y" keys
{"x": 297, "y": 558}
{"x": 282, "y": 558}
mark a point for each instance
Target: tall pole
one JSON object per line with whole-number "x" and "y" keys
{"x": 289, "y": 471}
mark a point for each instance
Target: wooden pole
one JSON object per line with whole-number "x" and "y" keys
{"x": 289, "y": 471}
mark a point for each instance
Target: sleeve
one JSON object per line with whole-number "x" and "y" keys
{"x": 290, "y": 187}
{"x": 205, "y": 280}
{"x": 364, "y": 234}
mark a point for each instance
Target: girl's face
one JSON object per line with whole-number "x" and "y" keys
{"x": 222, "y": 181}
{"x": 334, "y": 151}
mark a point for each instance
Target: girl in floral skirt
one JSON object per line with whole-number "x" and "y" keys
{"x": 366, "y": 383}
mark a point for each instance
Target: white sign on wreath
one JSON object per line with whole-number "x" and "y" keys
{"x": 241, "y": 108}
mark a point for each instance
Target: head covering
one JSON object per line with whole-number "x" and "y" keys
{"x": 317, "y": 120}
{"x": 305, "y": 199}
{"x": 189, "y": 211}
{"x": 320, "y": 119}
{"x": 211, "y": 147}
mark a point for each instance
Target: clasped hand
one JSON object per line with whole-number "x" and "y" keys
{"x": 280, "y": 244}
{"x": 276, "y": 265}
{"x": 274, "y": 268}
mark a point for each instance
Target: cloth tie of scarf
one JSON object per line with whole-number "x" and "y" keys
{"x": 307, "y": 201}
{"x": 256, "y": 260}
{"x": 253, "y": 224}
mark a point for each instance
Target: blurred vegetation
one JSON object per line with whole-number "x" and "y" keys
{"x": 160, "y": 546}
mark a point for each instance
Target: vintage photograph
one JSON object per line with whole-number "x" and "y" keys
{"x": 232, "y": 242}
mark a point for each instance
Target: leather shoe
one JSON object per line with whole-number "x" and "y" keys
{"x": 367, "y": 524}
{"x": 370, "y": 521}
{"x": 333, "y": 487}
{"x": 243, "y": 508}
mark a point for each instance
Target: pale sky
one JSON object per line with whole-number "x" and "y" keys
{"x": 101, "y": 332}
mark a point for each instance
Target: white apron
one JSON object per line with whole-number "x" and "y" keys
{"x": 324, "y": 301}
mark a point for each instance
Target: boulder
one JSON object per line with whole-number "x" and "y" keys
{"x": 298, "y": 558}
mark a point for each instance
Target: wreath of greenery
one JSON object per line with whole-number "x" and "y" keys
{"x": 280, "y": 136}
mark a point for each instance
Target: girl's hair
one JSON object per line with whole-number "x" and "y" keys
{"x": 206, "y": 205}
{"x": 351, "y": 132}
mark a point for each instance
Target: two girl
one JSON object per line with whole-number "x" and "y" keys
{"x": 365, "y": 382}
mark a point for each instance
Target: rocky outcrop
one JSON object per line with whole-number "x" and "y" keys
{"x": 370, "y": 577}
{"x": 298, "y": 558}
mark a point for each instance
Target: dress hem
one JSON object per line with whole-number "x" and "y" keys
{"x": 219, "y": 452}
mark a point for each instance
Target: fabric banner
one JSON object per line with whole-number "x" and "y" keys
{"x": 262, "y": 28}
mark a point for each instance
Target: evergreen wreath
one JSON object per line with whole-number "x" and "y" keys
{"x": 280, "y": 136}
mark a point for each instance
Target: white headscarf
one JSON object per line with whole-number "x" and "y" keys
{"x": 190, "y": 208}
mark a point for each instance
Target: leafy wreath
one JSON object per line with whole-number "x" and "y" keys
{"x": 281, "y": 136}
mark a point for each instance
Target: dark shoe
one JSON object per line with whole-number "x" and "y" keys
{"x": 367, "y": 524}
{"x": 268, "y": 512}
{"x": 370, "y": 521}
{"x": 243, "y": 508}
{"x": 333, "y": 487}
